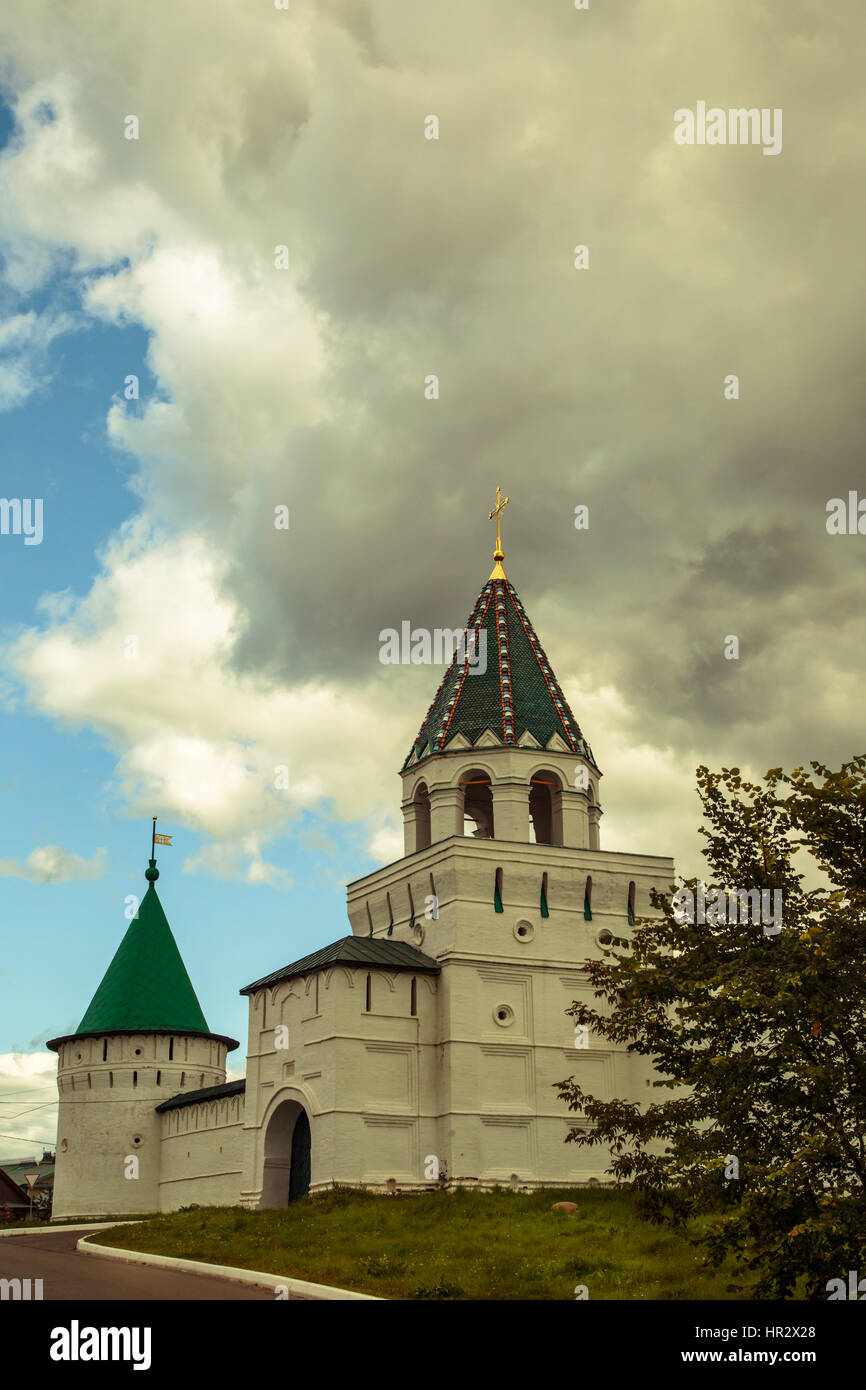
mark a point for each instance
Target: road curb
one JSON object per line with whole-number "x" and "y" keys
{"x": 49, "y": 1230}
{"x": 297, "y": 1288}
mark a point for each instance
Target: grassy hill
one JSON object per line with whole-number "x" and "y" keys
{"x": 460, "y": 1245}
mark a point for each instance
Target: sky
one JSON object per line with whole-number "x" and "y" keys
{"x": 231, "y": 261}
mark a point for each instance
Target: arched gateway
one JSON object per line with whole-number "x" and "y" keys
{"x": 286, "y": 1173}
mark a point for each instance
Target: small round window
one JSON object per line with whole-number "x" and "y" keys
{"x": 418, "y": 933}
{"x": 136, "y": 1139}
{"x": 138, "y": 1052}
{"x": 524, "y": 931}
{"x": 604, "y": 937}
{"x": 503, "y": 1014}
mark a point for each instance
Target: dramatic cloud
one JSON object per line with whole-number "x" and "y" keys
{"x": 304, "y": 387}
{"x": 146, "y": 658}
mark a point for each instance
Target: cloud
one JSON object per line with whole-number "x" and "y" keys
{"x": 28, "y": 1103}
{"x": 304, "y": 387}
{"x": 146, "y": 658}
{"x": 51, "y": 864}
{"x": 386, "y": 844}
{"x": 25, "y": 341}
{"x": 241, "y": 862}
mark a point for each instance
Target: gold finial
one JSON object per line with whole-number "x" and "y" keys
{"x": 498, "y": 571}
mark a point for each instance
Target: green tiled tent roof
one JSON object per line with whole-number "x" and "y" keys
{"x": 517, "y": 694}
{"x": 146, "y": 986}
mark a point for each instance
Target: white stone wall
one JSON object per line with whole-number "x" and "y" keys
{"x": 468, "y": 1081}
{"x": 487, "y": 1107}
{"x": 366, "y": 1078}
{"x": 201, "y": 1148}
{"x": 109, "y": 1087}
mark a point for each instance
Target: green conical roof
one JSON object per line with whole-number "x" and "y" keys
{"x": 516, "y": 694}
{"x": 146, "y": 986}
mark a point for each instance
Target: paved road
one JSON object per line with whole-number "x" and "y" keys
{"x": 65, "y": 1274}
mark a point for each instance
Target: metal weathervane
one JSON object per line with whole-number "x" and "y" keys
{"x": 158, "y": 840}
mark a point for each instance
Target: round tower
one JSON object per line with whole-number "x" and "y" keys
{"x": 143, "y": 1039}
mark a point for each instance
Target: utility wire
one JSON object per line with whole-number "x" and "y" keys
{"x": 19, "y": 1140}
{"x": 32, "y": 1092}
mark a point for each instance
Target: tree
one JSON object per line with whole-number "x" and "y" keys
{"x": 759, "y": 1038}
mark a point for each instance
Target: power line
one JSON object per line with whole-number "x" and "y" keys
{"x": 31, "y": 1108}
{"x": 19, "y": 1140}
{"x": 17, "y": 1102}
{"x": 18, "y": 1094}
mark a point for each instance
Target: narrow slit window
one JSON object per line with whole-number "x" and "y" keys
{"x": 390, "y": 915}
{"x": 413, "y": 998}
{"x": 369, "y": 919}
{"x": 369, "y": 992}
{"x": 111, "y": 1078}
{"x": 631, "y": 904}
{"x": 587, "y": 900}
{"x": 105, "y": 1049}
{"x": 171, "y": 1049}
{"x": 497, "y": 891}
{"x": 411, "y": 907}
{"x": 544, "y": 908}
{"x": 135, "y": 1078}
{"x": 158, "y": 1077}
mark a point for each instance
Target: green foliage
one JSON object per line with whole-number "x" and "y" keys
{"x": 760, "y": 1038}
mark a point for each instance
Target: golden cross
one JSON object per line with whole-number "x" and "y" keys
{"x": 497, "y": 554}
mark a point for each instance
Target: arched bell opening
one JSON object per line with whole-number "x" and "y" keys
{"x": 477, "y": 805}
{"x": 421, "y": 804}
{"x": 545, "y": 808}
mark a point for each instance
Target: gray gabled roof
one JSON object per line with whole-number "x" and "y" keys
{"x": 226, "y": 1088}
{"x": 355, "y": 950}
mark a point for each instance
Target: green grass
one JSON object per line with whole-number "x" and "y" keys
{"x": 441, "y": 1245}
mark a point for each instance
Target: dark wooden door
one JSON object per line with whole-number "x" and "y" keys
{"x": 299, "y": 1175}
